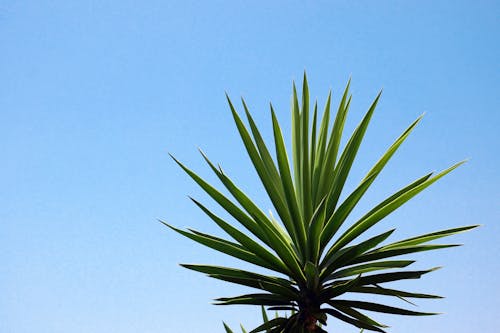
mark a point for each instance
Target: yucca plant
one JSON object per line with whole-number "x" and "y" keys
{"x": 318, "y": 267}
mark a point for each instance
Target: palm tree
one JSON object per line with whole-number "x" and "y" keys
{"x": 316, "y": 269}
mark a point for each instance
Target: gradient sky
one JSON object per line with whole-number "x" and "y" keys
{"x": 93, "y": 94}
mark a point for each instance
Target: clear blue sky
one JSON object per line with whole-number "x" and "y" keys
{"x": 93, "y": 94}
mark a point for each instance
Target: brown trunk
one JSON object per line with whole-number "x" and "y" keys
{"x": 310, "y": 324}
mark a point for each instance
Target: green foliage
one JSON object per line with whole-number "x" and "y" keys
{"x": 314, "y": 263}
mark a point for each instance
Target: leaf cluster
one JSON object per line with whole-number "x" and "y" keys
{"x": 317, "y": 270}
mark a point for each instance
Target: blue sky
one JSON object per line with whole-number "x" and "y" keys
{"x": 93, "y": 94}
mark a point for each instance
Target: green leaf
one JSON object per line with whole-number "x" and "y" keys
{"x": 227, "y": 204}
{"x": 338, "y": 288}
{"x": 353, "y": 321}
{"x": 339, "y": 259}
{"x": 254, "y": 299}
{"x": 392, "y": 149}
{"x": 312, "y": 276}
{"x": 428, "y": 237}
{"x": 370, "y": 267}
{"x": 238, "y": 273}
{"x": 245, "y": 201}
{"x": 390, "y": 292}
{"x": 338, "y": 217}
{"x": 275, "y": 187}
{"x": 378, "y": 308}
{"x": 347, "y": 158}
{"x": 358, "y": 315}
{"x": 313, "y": 149}
{"x": 246, "y": 241}
{"x": 314, "y": 232}
{"x": 270, "y": 287}
{"x": 381, "y": 253}
{"x": 269, "y": 324}
{"x": 394, "y": 276}
{"x": 347, "y": 206}
{"x": 265, "y": 155}
{"x": 282, "y": 308}
{"x": 321, "y": 148}
{"x": 224, "y": 246}
{"x": 265, "y": 319}
{"x": 305, "y": 186}
{"x": 288, "y": 184}
{"x": 228, "y": 330}
{"x": 273, "y": 237}
{"x": 296, "y": 139}
{"x": 325, "y": 178}
{"x": 381, "y": 211}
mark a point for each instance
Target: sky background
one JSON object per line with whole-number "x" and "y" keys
{"x": 94, "y": 94}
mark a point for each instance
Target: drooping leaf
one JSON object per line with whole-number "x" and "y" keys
{"x": 379, "y": 308}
